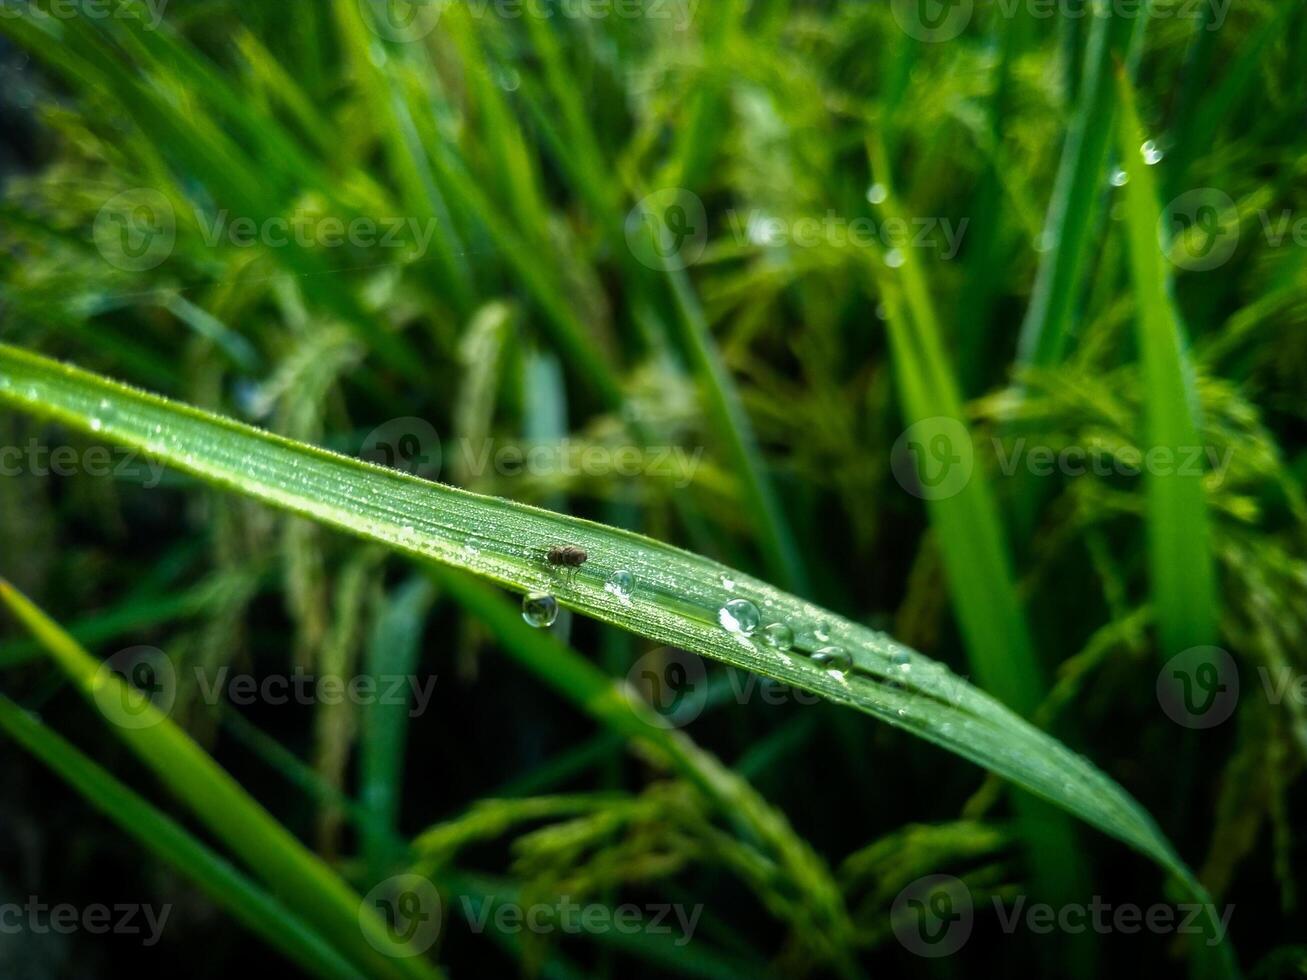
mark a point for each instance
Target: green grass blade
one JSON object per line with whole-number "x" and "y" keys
{"x": 297, "y": 875}
{"x": 972, "y": 542}
{"x": 970, "y": 529}
{"x": 676, "y": 601}
{"x": 392, "y": 652}
{"x": 250, "y": 905}
{"x": 1078, "y": 192}
{"x": 1180, "y": 553}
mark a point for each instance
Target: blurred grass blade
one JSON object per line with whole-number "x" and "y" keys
{"x": 1206, "y": 106}
{"x": 969, "y": 530}
{"x": 392, "y": 653}
{"x": 968, "y": 523}
{"x": 246, "y": 902}
{"x": 297, "y": 876}
{"x": 1079, "y": 190}
{"x": 678, "y": 599}
{"x": 1180, "y": 553}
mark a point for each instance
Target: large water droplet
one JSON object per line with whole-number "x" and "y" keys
{"x": 740, "y": 616}
{"x": 621, "y": 584}
{"x": 539, "y": 609}
{"x": 1152, "y": 153}
{"x": 778, "y": 636}
{"x": 833, "y": 658}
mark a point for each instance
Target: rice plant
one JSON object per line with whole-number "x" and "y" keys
{"x": 796, "y": 488}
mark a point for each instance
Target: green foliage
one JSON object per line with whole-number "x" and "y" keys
{"x": 1107, "y": 267}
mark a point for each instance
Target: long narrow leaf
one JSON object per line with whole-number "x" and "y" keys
{"x": 678, "y": 597}
{"x": 252, "y": 906}
{"x": 297, "y": 875}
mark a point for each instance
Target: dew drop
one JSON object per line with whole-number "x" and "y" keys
{"x": 1152, "y": 154}
{"x": 822, "y": 631}
{"x": 778, "y": 636}
{"x": 96, "y": 425}
{"x": 1119, "y": 177}
{"x": 894, "y": 258}
{"x": 739, "y": 616}
{"x": 728, "y": 583}
{"x": 539, "y": 609}
{"x": 833, "y": 658}
{"x": 764, "y": 233}
{"x": 621, "y": 584}
{"x": 509, "y": 79}
{"x": 877, "y": 194}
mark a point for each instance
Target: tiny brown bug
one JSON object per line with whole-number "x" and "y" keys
{"x": 567, "y": 556}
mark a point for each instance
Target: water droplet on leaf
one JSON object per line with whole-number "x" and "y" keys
{"x": 621, "y": 584}
{"x": 833, "y": 658}
{"x": 740, "y": 616}
{"x": 539, "y": 609}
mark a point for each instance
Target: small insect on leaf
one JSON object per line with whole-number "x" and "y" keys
{"x": 567, "y": 556}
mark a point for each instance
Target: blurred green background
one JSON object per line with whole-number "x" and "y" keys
{"x": 894, "y": 305}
